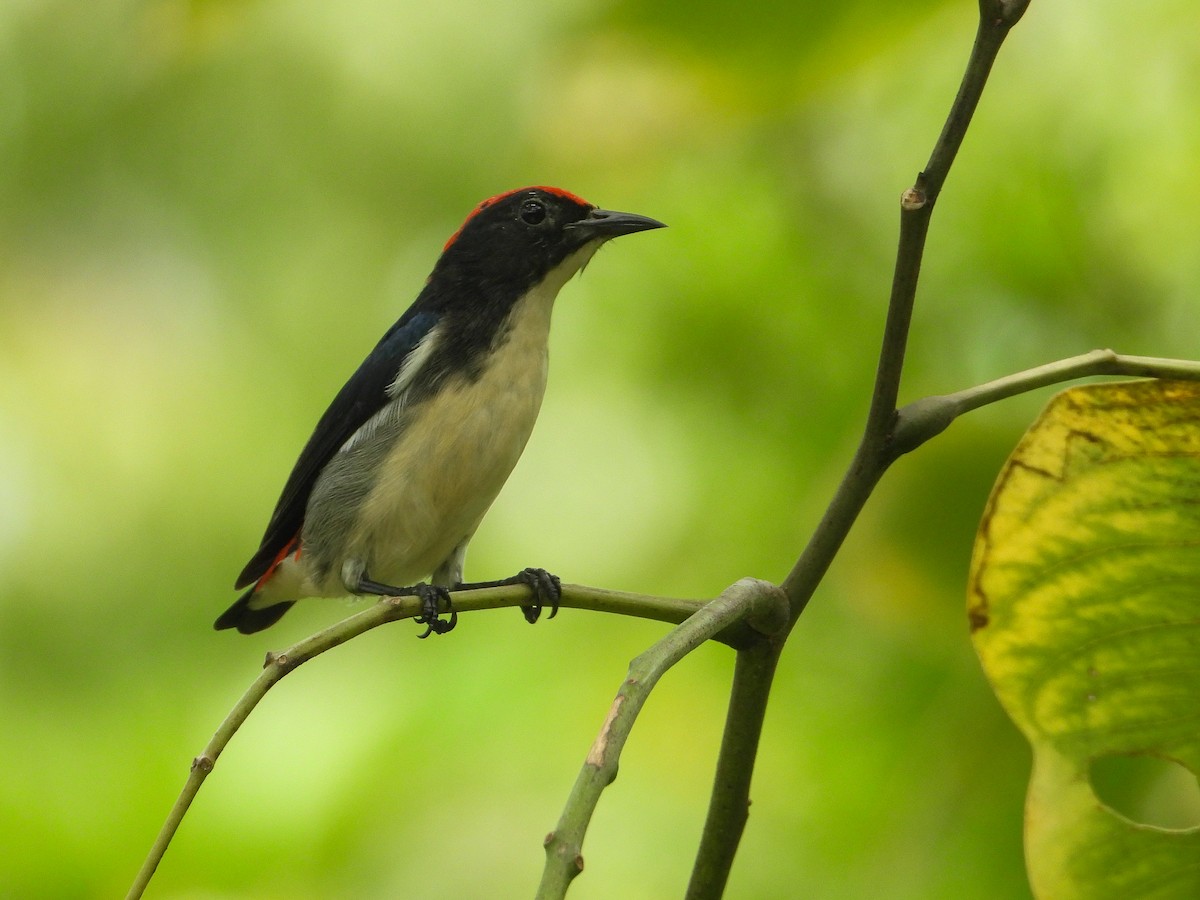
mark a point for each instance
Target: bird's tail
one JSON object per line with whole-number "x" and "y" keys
{"x": 246, "y": 619}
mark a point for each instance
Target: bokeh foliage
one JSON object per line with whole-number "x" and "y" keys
{"x": 209, "y": 212}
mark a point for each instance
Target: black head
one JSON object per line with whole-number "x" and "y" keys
{"x": 516, "y": 238}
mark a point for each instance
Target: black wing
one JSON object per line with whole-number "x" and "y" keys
{"x": 359, "y": 399}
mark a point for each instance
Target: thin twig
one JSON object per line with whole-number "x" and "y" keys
{"x": 875, "y": 451}
{"x": 748, "y": 598}
{"x": 1097, "y": 362}
{"x": 925, "y": 418}
{"x": 916, "y": 207}
{"x": 391, "y": 609}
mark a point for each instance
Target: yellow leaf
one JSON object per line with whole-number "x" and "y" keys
{"x": 1084, "y": 603}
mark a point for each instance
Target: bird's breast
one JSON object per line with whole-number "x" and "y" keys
{"x": 452, "y": 454}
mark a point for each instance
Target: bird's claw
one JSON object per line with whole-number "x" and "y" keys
{"x": 432, "y": 597}
{"x": 547, "y": 591}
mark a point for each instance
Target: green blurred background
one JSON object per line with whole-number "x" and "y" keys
{"x": 209, "y": 211}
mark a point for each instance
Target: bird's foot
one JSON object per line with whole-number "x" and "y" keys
{"x": 547, "y": 591}
{"x": 433, "y": 598}
{"x": 546, "y": 588}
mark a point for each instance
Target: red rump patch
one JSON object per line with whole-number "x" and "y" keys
{"x": 292, "y": 547}
{"x": 558, "y": 192}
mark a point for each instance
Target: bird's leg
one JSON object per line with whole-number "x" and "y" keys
{"x": 546, "y": 588}
{"x": 432, "y": 597}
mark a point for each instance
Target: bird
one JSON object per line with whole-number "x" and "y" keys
{"x": 412, "y": 451}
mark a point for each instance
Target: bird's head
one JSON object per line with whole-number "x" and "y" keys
{"x": 522, "y": 235}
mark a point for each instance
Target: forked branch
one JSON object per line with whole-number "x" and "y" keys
{"x": 758, "y": 602}
{"x": 876, "y": 451}
{"x": 391, "y": 609}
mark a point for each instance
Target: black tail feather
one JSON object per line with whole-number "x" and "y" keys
{"x": 247, "y": 620}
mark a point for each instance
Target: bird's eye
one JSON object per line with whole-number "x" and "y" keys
{"x": 533, "y": 212}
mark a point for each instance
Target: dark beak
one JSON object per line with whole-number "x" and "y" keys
{"x": 605, "y": 223}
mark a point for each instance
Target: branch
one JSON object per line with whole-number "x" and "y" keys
{"x": 926, "y": 418}
{"x": 749, "y": 599}
{"x": 875, "y": 451}
{"x": 392, "y": 609}
{"x": 996, "y": 17}
{"x": 729, "y": 807}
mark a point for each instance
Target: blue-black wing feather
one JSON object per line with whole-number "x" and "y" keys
{"x": 359, "y": 399}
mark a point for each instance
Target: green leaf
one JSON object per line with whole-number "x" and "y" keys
{"x": 1084, "y": 604}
